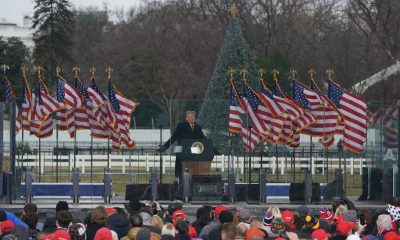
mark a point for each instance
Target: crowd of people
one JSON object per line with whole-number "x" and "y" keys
{"x": 151, "y": 221}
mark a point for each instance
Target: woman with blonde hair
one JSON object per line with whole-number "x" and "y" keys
{"x": 157, "y": 222}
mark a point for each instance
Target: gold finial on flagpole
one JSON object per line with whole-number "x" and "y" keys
{"x": 231, "y": 72}
{"x": 275, "y": 74}
{"x": 233, "y": 10}
{"x": 24, "y": 69}
{"x": 109, "y": 70}
{"x": 293, "y": 73}
{"x": 58, "y": 71}
{"x": 40, "y": 71}
{"x": 5, "y": 67}
{"x": 261, "y": 71}
{"x": 312, "y": 73}
{"x": 244, "y": 73}
{"x": 329, "y": 72}
{"x": 76, "y": 71}
{"x": 92, "y": 71}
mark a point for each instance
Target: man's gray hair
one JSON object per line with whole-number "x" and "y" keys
{"x": 190, "y": 112}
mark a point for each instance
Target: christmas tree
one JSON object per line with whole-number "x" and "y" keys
{"x": 235, "y": 53}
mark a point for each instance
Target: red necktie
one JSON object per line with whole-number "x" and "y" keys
{"x": 192, "y": 126}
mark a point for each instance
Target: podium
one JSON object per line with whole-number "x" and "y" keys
{"x": 196, "y": 155}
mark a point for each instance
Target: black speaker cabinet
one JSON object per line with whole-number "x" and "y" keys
{"x": 247, "y": 192}
{"x": 296, "y": 192}
{"x": 375, "y": 191}
{"x": 143, "y": 192}
{"x": 207, "y": 188}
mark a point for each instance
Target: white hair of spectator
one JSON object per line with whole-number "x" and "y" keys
{"x": 168, "y": 229}
{"x": 353, "y": 237}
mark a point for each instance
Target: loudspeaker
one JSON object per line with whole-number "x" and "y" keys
{"x": 371, "y": 177}
{"x": 143, "y": 192}
{"x": 246, "y": 192}
{"x": 297, "y": 192}
{"x": 207, "y": 188}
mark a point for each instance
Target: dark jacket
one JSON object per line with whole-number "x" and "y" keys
{"x": 91, "y": 230}
{"x": 215, "y": 234}
{"x": 118, "y": 223}
{"x": 49, "y": 225}
{"x": 182, "y": 236}
{"x": 183, "y": 131}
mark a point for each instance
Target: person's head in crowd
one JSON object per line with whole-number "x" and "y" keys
{"x": 324, "y": 213}
{"x": 268, "y": 218}
{"x": 241, "y": 229}
{"x": 365, "y": 216}
{"x": 178, "y": 215}
{"x": 225, "y": 217}
{"x": 136, "y": 220}
{"x": 154, "y": 236}
{"x": 275, "y": 211}
{"x": 31, "y": 219}
{"x": 99, "y": 215}
{"x": 29, "y": 208}
{"x": 391, "y": 236}
{"x": 244, "y": 215}
{"x": 131, "y": 234}
{"x": 40, "y": 235}
{"x": 344, "y": 228}
{"x": 320, "y": 234}
{"x": 228, "y": 231}
{"x": 134, "y": 206}
{"x": 218, "y": 209}
{"x": 88, "y": 219}
{"x": 167, "y": 237}
{"x": 298, "y": 221}
{"x": 182, "y": 227}
{"x": 62, "y": 205}
{"x": 77, "y": 231}
{"x": 311, "y": 222}
{"x": 6, "y": 226}
{"x": 103, "y": 234}
{"x": 278, "y": 226}
{"x": 63, "y": 219}
{"x": 168, "y": 229}
{"x": 383, "y": 223}
{"x": 204, "y": 210}
{"x": 303, "y": 210}
{"x": 340, "y": 210}
{"x": 172, "y": 207}
{"x": 255, "y": 223}
{"x": 288, "y": 219}
{"x": 254, "y": 232}
{"x": 157, "y": 222}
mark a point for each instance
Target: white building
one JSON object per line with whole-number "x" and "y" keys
{"x": 24, "y": 33}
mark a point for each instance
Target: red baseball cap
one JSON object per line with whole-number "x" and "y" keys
{"x": 103, "y": 234}
{"x": 252, "y": 232}
{"x": 344, "y": 227}
{"x": 391, "y": 236}
{"x": 7, "y": 226}
{"x": 110, "y": 210}
{"x": 288, "y": 219}
{"x": 178, "y": 213}
{"x": 219, "y": 209}
{"x": 320, "y": 234}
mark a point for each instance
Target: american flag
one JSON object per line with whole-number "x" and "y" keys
{"x": 354, "y": 111}
{"x": 339, "y": 129}
{"x": 387, "y": 117}
{"x": 72, "y": 100}
{"x": 326, "y": 118}
{"x": 9, "y": 95}
{"x": 272, "y": 114}
{"x": 123, "y": 108}
{"x": 250, "y": 137}
{"x": 251, "y": 103}
{"x": 26, "y": 105}
{"x": 81, "y": 113}
{"x": 104, "y": 114}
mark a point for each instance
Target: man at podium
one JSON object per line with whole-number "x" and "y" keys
{"x": 188, "y": 129}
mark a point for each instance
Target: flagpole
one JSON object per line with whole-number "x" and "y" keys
{"x": 23, "y": 69}
{"x": 40, "y": 69}
{"x": 109, "y": 71}
{"x": 57, "y": 152}
{"x": 244, "y": 73}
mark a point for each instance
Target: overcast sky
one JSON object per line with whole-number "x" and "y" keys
{"x": 14, "y": 10}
